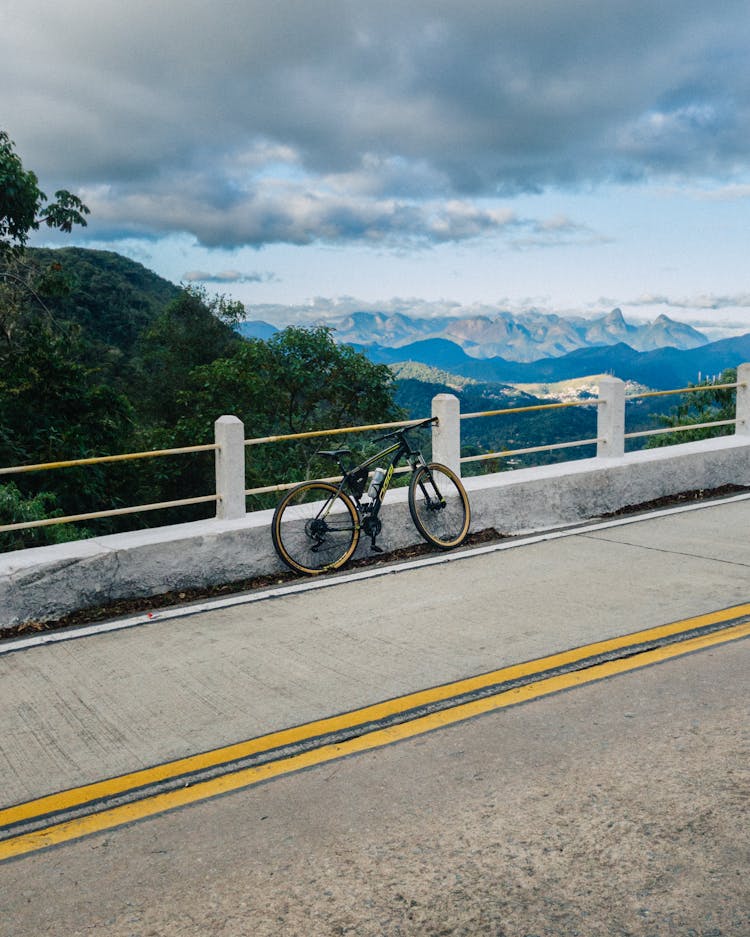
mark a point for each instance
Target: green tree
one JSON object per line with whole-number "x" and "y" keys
{"x": 701, "y": 406}
{"x": 52, "y": 407}
{"x": 15, "y": 508}
{"x": 23, "y": 210}
{"x": 22, "y": 203}
{"x": 297, "y": 381}
{"x": 49, "y": 406}
{"x": 193, "y": 330}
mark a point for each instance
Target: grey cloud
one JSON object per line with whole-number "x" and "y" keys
{"x": 706, "y": 301}
{"x": 733, "y": 192}
{"x": 376, "y": 112}
{"x": 556, "y": 232}
{"x": 227, "y": 276}
{"x": 291, "y": 213}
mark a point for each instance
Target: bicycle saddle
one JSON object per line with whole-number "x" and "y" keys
{"x": 334, "y": 453}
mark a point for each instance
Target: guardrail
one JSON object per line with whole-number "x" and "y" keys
{"x": 230, "y": 445}
{"x": 114, "y": 512}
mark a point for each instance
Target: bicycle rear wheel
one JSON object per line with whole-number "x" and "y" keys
{"x": 439, "y": 506}
{"x": 315, "y": 528}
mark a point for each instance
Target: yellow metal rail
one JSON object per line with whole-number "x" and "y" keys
{"x": 541, "y": 406}
{"x": 506, "y": 453}
{"x": 330, "y": 432}
{"x": 683, "y": 428}
{"x": 116, "y": 512}
{"x": 683, "y": 390}
{"x": 286, "y": 486}
{"x": 94, "y": 460}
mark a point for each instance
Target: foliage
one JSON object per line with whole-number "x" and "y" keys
{"x": 17, "y": 509}
{"x": 54, "y": 408}
{"x": 703, "y": 406}
{"x": 50, "y": 406}
{"x": 23, "y": 210}
{"x": 22, "y": 203}
{"x": 298, "y": 381}
{"x": 193, "y": 330}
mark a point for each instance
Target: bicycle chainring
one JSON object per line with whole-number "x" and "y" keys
{"x": 371, "y": 526}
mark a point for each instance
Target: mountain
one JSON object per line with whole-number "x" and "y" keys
{"x": 112, "y": 298}
{"x": 436, "y": 352}
{"x": 664, "y": 368}
{"x": 525, "y": 337}
{"x": 256, "y": 328}
{"x": 387, "y": 329}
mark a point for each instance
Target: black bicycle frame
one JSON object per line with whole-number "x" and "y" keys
{"x": 398, "y": 451}
{"x": 354, "y": 480}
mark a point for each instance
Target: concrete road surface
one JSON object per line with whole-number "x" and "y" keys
{"x": 630, "y": 793}
{"x": 618, "y": 809}
{"x": 75, "y": 712}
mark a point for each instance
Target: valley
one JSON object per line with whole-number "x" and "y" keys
{"x": 111, "y": 358}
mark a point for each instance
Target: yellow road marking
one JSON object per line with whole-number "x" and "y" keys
{"x": 159, "y": 803}
{"x": 148, "y": 776}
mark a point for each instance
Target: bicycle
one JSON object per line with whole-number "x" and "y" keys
{"x": 317, "y": 525}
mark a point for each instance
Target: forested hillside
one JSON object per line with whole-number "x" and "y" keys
{"x": 520, "y": 430}
{"x": 112, "y": 298}
{"x": 99, "y": 356}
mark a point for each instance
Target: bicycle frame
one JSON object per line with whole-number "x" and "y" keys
{"x": 398, "y": 451}
{"x": 353, "y": 482}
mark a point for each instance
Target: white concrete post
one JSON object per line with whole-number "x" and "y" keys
{"x": 446, "y": 434}
{"x": 743, "y": 401}
{"x": 610, "y": 424}
{"x": 229, "y": 433}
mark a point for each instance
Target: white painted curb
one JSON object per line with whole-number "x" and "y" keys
{"x": 70, "y": 634}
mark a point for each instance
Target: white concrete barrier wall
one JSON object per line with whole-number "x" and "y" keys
{"x": 48, "y": 582}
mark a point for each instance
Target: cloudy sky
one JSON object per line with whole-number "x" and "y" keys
{"x": 570, "y": 155}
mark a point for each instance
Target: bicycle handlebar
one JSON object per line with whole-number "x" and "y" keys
{"x": 406, "y": 429}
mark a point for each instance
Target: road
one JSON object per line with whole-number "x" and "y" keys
{"x": 616, "y": 808}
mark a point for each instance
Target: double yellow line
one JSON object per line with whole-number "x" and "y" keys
{"x": 95, "y": 800}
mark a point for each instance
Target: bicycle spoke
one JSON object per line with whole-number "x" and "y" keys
{"x": 315, "y": 528}
{"x": 439, "y": 506}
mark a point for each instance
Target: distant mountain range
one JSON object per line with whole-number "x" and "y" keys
{"x": 664, "y": 368}
{"x": 524, "y": 337}
{"x": 661, "y": 354}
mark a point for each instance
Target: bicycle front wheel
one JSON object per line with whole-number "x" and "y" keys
{"x": 439, "y": 506}
{"x": 315, "y": 528}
